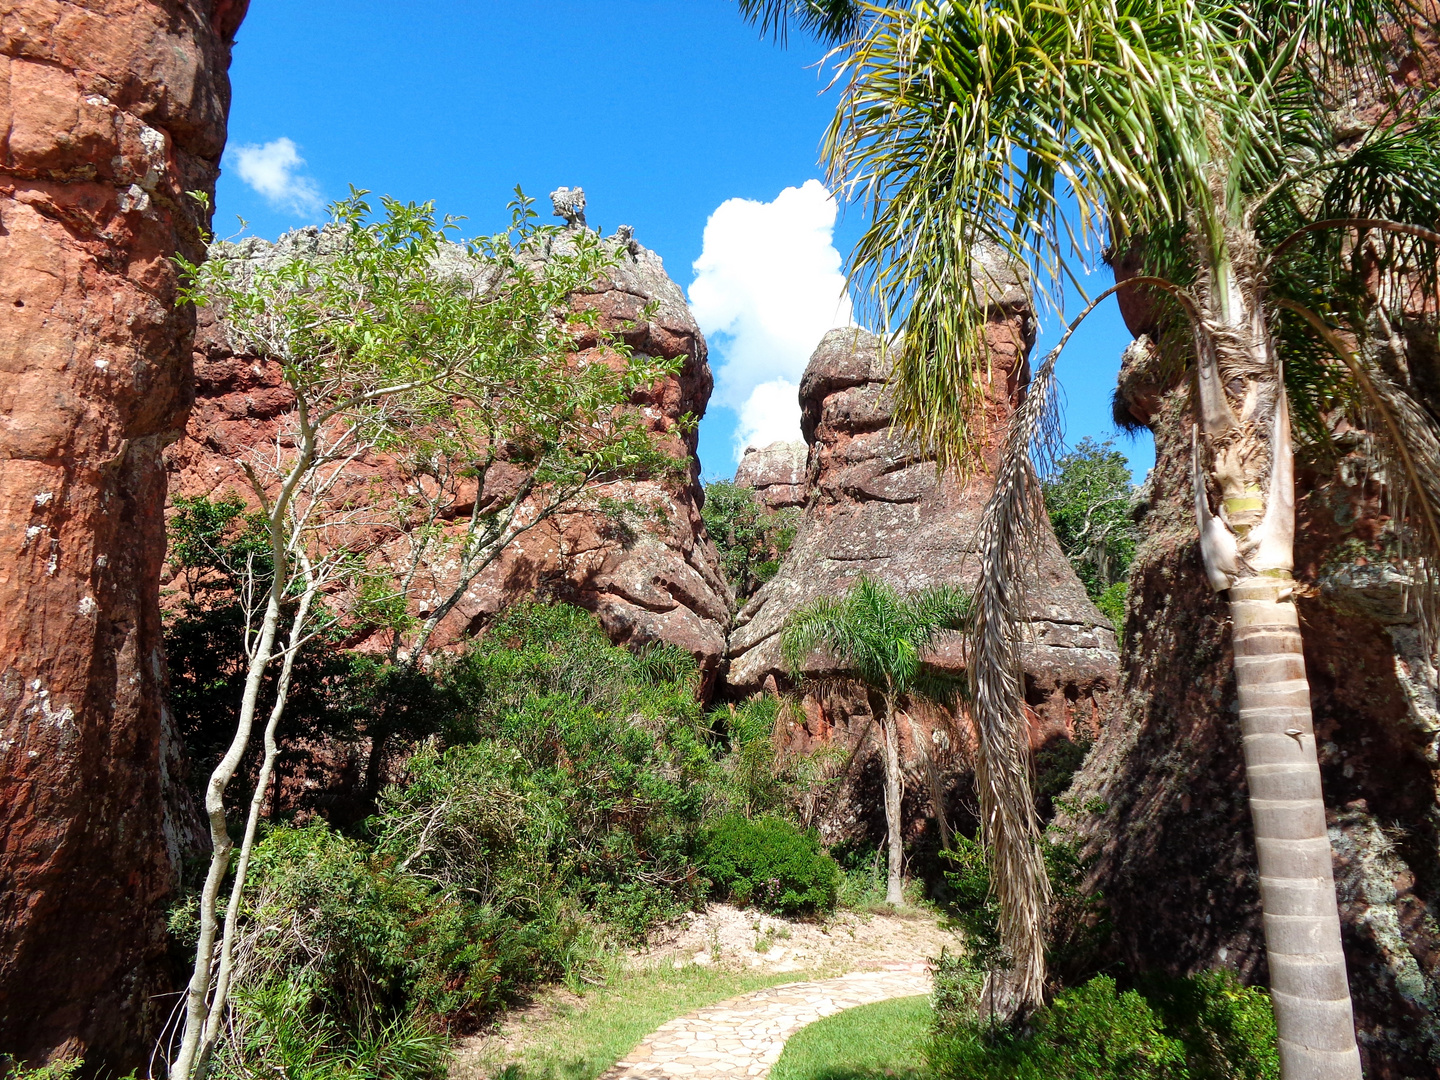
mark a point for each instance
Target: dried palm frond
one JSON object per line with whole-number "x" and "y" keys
{"x": 1014, "y": 516}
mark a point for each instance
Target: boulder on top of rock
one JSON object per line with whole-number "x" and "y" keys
{"x": 776, "y": 473}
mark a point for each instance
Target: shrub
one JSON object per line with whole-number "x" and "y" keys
{"x": 1228, "y": 1029}
{"x": 1079, "y": 922}
{"x": 280, "y": 1034}
{"x": 750, "y": 538}
{"x": 770, "y": 863}
{"x": 1091, "y": 1032}
{"x": 1206, "y": 1027}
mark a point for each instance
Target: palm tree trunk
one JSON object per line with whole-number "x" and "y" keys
{"x": 894, "y": 795}
{"x": 1308, "y": 986}
{"x": 1249, "y": 550}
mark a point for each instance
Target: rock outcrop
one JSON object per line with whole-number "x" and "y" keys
{"x": 1174, "y": 847}
{"x": 776, "y": 473}
{"x": 875, "y": 506}
{"x": 112, "y": 112}
{"x": 655, "y": 578}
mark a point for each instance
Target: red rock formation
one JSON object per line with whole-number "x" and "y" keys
{"x": 656, "y": 579}
{"x": 111, "y": 112}
{"x": 776, "y": 473}
{"x": 876, "y": 507}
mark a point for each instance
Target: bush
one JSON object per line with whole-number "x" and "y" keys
{"x": 770, "y": 863}
{"x": 750, "y": 538}
{"x": 1206, "y": 1027}
{"x": 1091, "y": 1032}
{"x": 563, "y": 824}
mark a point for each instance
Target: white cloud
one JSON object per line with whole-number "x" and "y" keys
{"x": 767, "y": 286}
{"x": 769, "y": 414}
{"x": 272, "y": 171}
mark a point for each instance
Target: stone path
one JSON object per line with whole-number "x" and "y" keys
{"x": 743, "y": 1037}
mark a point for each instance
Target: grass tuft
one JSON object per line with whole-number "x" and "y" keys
{"x": 870, "y": 1042}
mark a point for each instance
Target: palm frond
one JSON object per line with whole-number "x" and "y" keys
{"x": 964, "y": 125}
{"x": 829, "y": 21}
{"x": 874, "y": 632}
{"x": 1014, "y": 515}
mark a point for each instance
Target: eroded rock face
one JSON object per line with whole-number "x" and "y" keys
{"x": 776, "y": 473}
{"x": 111, "y": 112}
{"x": 1174, "y": 843}
{"x": 655, "y": 578}
{"x": 876, "y": 507}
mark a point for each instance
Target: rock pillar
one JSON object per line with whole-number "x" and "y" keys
{"x": 112, "y": 111}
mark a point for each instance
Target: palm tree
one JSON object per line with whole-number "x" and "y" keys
{"x": 1216, "y": 139}
{"x": 880, "y": 637}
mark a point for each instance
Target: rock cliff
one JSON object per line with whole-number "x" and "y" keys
{"x": 1173, "y": 843}
{"x": 875, "y": 506}
{"x": 112, "y": 111}
{"x": 656, "y": 579}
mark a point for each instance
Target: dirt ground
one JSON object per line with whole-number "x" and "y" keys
{"x": 847, "y": 941}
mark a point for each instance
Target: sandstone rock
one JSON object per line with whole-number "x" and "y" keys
{"x": 111, "y": 112}
{"x": 876, "y": 507}
{"x": 648, "y": 579}
{"x": 775, "y": 472}
{"x": 1174, "y": 843}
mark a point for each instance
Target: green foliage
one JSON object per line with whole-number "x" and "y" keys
{"x": 1055, "y": 766}
{"x": 1228, "y": 1029}
{"x": 1111, "y": 603}
{"x": 59, "y": 1069}
{"x": 1089, "y": 498}
{"x": 221, "y": 555}
{"x": 1206, "y": 1027}
{"x": 561, "y": 822}
{"x": 1078, "y": 922}
{"x": 862, "y": 880}
{"x": 1092, "y": 1032}
{"x": 956, "y": 990}
{"x": 750, "y": 537}
{"x": 878, "y": 634}
{"x": 771, "y": 864}
{"x": 284, "y": 1036}
{"x": 757, "y": 782}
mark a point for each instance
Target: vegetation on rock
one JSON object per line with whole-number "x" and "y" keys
{"x": 751, "y": 537}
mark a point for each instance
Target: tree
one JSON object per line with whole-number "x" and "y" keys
{"x": 750, "y": 537}
{"x": 1205, "y": 136}
{"x": 1089, "y": 498}
{"x": 881, "y": 637}
{"x": 397, "y": 345}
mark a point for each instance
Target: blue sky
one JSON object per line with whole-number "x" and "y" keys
{"x": 670, "y": 114}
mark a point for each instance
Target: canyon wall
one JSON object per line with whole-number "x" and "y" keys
{"x": 653, "y": 576}
{"x": 875, "y": 506}
{"x": 112, "y": 111}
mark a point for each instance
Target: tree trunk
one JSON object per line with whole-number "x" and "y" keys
{"x": 197, "y": 994}
{"x": 1308, "y": 985}
{"x": 1248, "y": 549}
{"x": 894, "y": 795}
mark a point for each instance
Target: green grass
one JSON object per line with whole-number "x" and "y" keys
{"x": 585, "y": 1038}
{"x": 886, "y": 1039}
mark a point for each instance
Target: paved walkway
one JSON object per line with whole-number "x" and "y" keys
{"x": 743, "y": 1037}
